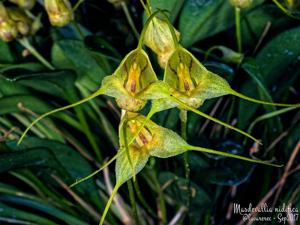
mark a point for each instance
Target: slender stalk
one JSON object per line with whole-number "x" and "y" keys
{"x": 133, "y": 202}
{"x": 78, "y": 3}
{"x": 77, "y": 28}
{"x": 26, "y": 44}
{"x": 238, "y": 28}
{"x": 183, "y": 119}
{"x": 268, "y": 116}
{"x": 113, "y": 194}
{"x": 146, "y": 7}
{"x": 142, "y": 199}
{"x": 215, "y": 152}
{"x": 129, "y": 19}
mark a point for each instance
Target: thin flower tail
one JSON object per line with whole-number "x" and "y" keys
{"x": 97, "y": 93}
{"x": 99, "y": 170}
{"x": 183, "y": 105}
{"x": 215, "y": 152}
{"x": 233, "y": 92}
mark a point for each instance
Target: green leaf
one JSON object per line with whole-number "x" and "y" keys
{"x": 255, "y": 22}
{"x": 6, "y": 55}
{"x": 202, "y": 19}
{"x": 34, "y": 157}
{"x": 250, "y": 66}
{"x": 58, "y": 83}
{"x": 280, "y": 57}
{"x": 22, "y": 68}
{"x": 17, "y": 214}
{"x": 178, "y": 191}
{"x": 42, "y": 207}
{"x": 10, "y": 87}
{"x": 10, "y": 104}
{"x": 278, "y": 61}
{"x": 71, "y": 54}
{"x": 65, "y": 159}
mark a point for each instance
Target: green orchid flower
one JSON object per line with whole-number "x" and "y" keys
{"x": 150, "y": 140}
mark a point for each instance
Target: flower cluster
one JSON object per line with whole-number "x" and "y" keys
{"x": 186, "y": 85}
{"x": 17, "y": 21}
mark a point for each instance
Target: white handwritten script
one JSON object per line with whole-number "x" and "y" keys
{"x": 282, "y": 214}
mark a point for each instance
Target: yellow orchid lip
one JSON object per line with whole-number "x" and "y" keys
{"x": 127, "y": 84}
{"x": 144, "y": 137}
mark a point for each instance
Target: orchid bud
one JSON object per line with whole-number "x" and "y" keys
{"x": 24, "y": 4}
{"x": 22, "y": 22}
{"x": 242, "y": 4}
{"x": 158, "y": 38}
{"x": 8, "y": 28}
{"x": 60, "y": 12}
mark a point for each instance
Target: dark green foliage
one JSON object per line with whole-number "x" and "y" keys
{"x": 34, "y": 176}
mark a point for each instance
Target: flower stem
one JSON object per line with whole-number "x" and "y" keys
{"x": 129, "y": 19}
{"x": 183, "y": 119}
{"x": 238, "y": 28}
{"x": 79, "y": 2}
{"x": 133, "y": 202}
{"x": 26, "y": 44}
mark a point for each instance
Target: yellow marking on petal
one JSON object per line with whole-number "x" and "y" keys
{"x": 144, "y": 137}
{"x": 133, "y": 82}
{"x": 186, "y": 84}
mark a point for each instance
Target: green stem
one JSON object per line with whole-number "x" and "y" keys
{"x": 26, "y": 44}
{"x": 113, "y": 194}
{"x": 269, "y": 115}
{"x": 78, "y": 3}
{"x": 286, "y": 11}
{"x": 129, "y": 19}
{"x": 133, "y": 202}
{"x": 141, "y": 198}
{"x": 146, "y": 7}
{"x": 238, "y": 28}
{"x": 77, "y": 28}
{"x": 183, "y": 119}
{"x": 215, "y": 152}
